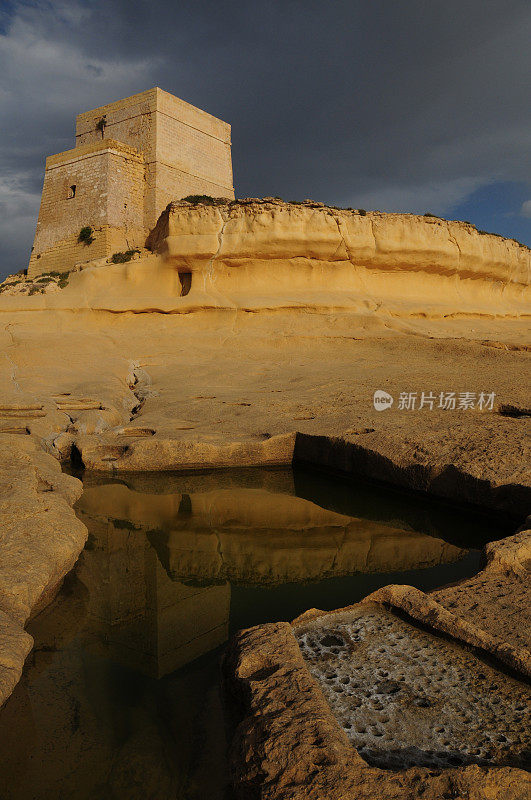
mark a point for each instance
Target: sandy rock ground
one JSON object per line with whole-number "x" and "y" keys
{"x": 159, "y": 391}
{"x": 295, "y": 315}
{"x": 273, "y": 355}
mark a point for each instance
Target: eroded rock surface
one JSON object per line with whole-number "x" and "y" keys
{"x": 264, "y": 254}
{"x": 406, "y": 698}
{"x": 295, "y": 315}
{"x": 289, "y": 743}
{"x": 260, "y": 250}
{"x": 400, "y": 695}
{"x": 237, "y": 389}
{"x": 497, "y": 600}
{"x": 40, "y": 540}
{"x": 489, "y": 611}
{"x": 460, "y": 466}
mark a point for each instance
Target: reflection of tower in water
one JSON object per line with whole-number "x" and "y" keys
{"x": 159, "y": 566}
{"x": 143, "y": 618}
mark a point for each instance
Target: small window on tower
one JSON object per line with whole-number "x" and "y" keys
{"x": 72, "y": 191}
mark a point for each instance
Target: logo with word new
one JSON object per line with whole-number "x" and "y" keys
{"x": 382, "y": 400}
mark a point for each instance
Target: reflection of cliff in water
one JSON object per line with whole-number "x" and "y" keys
{"x": 173, "y": 565}
{"x": 159, "y": 566}
{"x": 253, "y": 536}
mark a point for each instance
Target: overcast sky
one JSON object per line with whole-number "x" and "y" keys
{"x": 417, "y": 105}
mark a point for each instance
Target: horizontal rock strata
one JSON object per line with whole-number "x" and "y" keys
{"x": 257, "y": 255}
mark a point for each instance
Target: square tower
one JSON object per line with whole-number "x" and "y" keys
{"x": 131, "y": 159}
{"x": 186, "y": 151}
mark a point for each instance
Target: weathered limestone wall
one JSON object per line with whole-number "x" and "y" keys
{"x": 131, "y": 120}
{"x": 267, "y": 231}
{"x": 131, "y": 159}
{"x": 108, "y": 177}
{"x": 264, "y": 253}
{"x": 186, "y": 150}
{"x": 202, "y": 162}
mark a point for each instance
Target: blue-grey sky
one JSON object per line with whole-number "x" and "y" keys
{"x": 400, "y": 106}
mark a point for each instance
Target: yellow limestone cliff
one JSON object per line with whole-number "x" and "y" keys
{"x": 267, "y": 254}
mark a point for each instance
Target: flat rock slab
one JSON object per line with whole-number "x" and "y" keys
{"x": 407, "y": 698}
{"x": 497, "y": 599}
{"x": 291, "y": 745}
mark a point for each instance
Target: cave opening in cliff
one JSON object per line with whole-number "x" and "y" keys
{"x": 185, "y": 279}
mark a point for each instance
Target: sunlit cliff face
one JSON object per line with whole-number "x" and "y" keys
{"x": 266, "y": 254}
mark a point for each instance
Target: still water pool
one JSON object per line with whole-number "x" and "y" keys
{"x": 120, "y": 698}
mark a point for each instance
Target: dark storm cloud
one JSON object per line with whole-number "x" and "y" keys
{"x": 411, "y": 105}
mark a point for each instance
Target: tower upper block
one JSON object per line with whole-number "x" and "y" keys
{"x": 186, "y": 151}
{"x": 131, "y": 159}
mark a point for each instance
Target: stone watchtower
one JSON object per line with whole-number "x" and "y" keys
{"x": 131, "y": 159}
